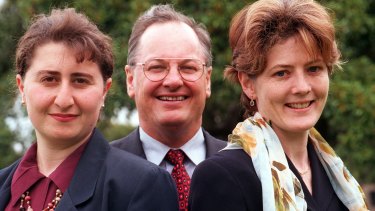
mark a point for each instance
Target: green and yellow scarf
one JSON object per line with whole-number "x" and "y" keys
{"x": 261, "y": 143}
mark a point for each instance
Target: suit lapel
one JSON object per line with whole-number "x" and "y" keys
{"x": 6, "y": 187}
{"x": 134, "y": 144}
{"x": 213, "y": 145}
{"x": 66, "y": 203}
{"x": 5, "y": 196}
{"x": 131, "y": 143}
{"x": 85, "y": 178}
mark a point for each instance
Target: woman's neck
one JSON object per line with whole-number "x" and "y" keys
{"x": 295, "y": 147}
{"x": 50, "y": 155}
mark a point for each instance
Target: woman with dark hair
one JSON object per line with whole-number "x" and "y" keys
{"x": 64, "y": 66}
{"x": 283, "y": 54}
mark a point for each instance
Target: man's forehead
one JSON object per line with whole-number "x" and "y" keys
{"x": 171, "y": 39}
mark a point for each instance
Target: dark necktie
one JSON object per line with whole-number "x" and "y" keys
{"x": 180, "y": 176}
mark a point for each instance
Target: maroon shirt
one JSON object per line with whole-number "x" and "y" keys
{"x": 42, "y": 189}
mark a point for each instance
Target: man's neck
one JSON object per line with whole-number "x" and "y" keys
{"x": 173, "y": 137}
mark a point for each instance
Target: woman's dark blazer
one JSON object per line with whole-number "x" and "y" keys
{"x": 107, "y": 178}
{"x": 228, "y": 181}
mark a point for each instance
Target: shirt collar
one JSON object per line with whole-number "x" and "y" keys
{"x": 65, "y": 171}
{"x": 155, "y": 151}
{"x": 27, "y": 173}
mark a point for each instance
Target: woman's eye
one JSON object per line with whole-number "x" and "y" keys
{"x": 280, "y": 73}
{"x": 314, "y": 68}
{"x": 48, "y": 79}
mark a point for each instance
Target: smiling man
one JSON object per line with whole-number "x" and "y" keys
{"x": 168, "y": 76}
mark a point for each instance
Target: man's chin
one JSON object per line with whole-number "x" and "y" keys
{"x": 173, "y": 122}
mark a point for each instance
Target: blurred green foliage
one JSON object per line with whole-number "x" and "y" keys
{"x": 348, "y": 121}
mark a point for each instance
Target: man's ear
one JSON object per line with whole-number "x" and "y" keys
{"x": 208, "y": 81}
{"x": 129, "y": 81}
{"x": 247, "y": 84}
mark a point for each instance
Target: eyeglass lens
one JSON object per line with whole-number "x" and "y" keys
{"x": 158, "y": 69}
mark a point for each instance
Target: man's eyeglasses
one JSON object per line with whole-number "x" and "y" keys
{"x": 158, "y": 68}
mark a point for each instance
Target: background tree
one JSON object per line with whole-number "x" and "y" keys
{"x": 10, "y": 22}
{"x": 348, "y": 121}
{"x": 350, "y": 112}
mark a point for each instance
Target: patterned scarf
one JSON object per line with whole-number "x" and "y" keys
{"x": 258, "y": 140}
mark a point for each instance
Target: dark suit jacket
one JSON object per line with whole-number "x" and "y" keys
{"x": 228, "y": 181}
{"x": 109, "y": 179}
{"x": 132, "y": 143}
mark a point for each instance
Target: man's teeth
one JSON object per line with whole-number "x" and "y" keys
{"x": 299, "y": 105}
{"x": 180, "y": 98}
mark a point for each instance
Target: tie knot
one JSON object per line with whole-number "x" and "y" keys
{"x": 176, "y": 156}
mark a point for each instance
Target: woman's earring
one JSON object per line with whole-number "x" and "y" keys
{"x": 103, "y": 105}
{"x": 252, "y": 102}
{"x": 23, "y": 99}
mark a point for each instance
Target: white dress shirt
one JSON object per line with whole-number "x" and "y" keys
{"x": 155, "y": 151}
